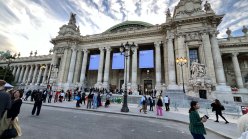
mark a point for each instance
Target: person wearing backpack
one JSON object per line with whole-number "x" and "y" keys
{"x": 218, "y": 108}
{"x": 144, "y": 104}
{"x": 38, "y": 103}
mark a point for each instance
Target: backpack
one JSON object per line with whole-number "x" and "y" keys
{"x": 144, "y": 101}
{"x": 38, "y": 97}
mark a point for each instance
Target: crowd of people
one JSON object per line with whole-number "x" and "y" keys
{"x": 11, "y": 101}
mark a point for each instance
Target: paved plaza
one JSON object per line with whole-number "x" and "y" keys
{"x": 54, "y": 110}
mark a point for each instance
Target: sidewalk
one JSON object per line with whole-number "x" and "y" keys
{"x": 226, "y": 130}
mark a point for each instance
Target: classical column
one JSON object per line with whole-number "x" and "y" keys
{"x": 76, "y": 77}
{"x": 62, "y": 66}
{"x": 237, "y": 70}
{"x": 171, "y": 62}
{"x": 67, "y": 65}
{"x": 84, "y": 64}
{"x": 39, "y": 75}
{"x": 218, "y": 65}
{"x": 106, "y": 70}
{"x": 208, "y": 56}
{"x": 72, "y": 65}
{"x": 35, "y": 73}
{"x": 17, "y": 73}
{"x": 30, "y": 73}
{"x": 134, "y": 69}
{"x": 45, "y": 74}
{"x": 54, "y": 58}
{"x": 100, "y": 68}
{"x": 25, "y": 74}
{"x": 158, "y": 65}
{"x": 21, "y": 75}
{"x": 14, "y": 71}
{"x": 181, "y": 53}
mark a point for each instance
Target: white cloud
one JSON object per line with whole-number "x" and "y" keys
{"x": 29, "y": 24}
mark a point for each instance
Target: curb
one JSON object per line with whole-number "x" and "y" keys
{"x": 135, "y": 115}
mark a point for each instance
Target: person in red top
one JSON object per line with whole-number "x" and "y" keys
{"x": 56, "y": 96}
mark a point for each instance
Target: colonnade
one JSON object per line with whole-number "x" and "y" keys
{"x": 74, "y": 71}
{"x": 74, "y": 62}
{"x": 31, "y": 74}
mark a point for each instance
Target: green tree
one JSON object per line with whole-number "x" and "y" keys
{"x": 6, "y": 73}
{"x": 8, "y": 77}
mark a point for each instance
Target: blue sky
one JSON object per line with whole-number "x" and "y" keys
{"x": 29, "y": 25}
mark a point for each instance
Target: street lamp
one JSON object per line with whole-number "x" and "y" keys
{"x": 125, "y": 50}
{"x": 9, "y": 60}
{"x": 182, "y": 61}
{"x": 49, "y": 76}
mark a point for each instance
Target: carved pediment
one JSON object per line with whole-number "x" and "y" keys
{"x": 187, "y": 8}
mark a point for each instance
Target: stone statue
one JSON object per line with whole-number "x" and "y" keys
{"x": 197, "y": 70}
{"x": 228, "y": 32}
{"x": 35, "y": 53}
{"x": 194, "y": 69}
{"x": 244, "y": 30}
{"x": 168, "y": 13}
{"x": 72, "y": 20}
{"x": 31, "y": 53}
{"x": 207, "y": 7}
{"x": 78, "y": 29}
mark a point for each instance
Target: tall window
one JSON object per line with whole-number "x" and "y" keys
{"x": 193, "y": 55}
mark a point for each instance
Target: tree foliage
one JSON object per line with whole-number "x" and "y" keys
{"x": 9, "y": 76}
{"x": 5, "y": 55}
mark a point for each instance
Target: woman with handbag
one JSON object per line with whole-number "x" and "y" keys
{"x": 10, "y": 118}
{"x": 196, "y": 126}
{"x": 218, "y": 108}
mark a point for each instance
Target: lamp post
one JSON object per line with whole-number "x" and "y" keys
{"x": 182, "y": 61}
{"x": 126, "y": 51}
{"x": 49, "y": 76}
{"x": 9, "y": 60}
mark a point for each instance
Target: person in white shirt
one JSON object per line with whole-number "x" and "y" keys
{"x": 243, "y": 126}
{"x": 167, "y": 103}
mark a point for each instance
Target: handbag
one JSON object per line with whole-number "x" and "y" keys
{"x": 9, "y": 133}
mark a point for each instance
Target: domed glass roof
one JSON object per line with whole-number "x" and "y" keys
{"x": 128, "y": 25}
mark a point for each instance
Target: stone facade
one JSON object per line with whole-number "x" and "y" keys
{"x": 216, "y": 68}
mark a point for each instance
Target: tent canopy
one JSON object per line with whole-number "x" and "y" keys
{"x": 7, "y": 85}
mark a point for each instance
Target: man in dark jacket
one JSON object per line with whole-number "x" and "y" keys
{"x": 4, "y": 99}
{"x": 38, "y": 103}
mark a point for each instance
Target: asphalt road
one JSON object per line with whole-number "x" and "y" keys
{"x": 59, "y": 123}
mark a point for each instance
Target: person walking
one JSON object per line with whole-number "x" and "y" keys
{"x": 196, "y": 126}
{"x": 218, "y": 108}
{"x": 37, "y": 104}
{"x": 50, "y": 96}
{"x": 44, "y": 95}
{"x": 107, "y": 102}
{"x": 78, "y": 99}
{"x": 167, "y": 103}
{"x": 144, "y": 104}
{"x": 4, "y": 99}
{"x": 89, "y": 102}
{"x": 95, "y": 100}
{"x": 27, "y": 95}
{"x": 151, "y": 103}
{"x": 83, "y": 97}
{"x": 160, "y": 106}
{"x": 10, "y": 117}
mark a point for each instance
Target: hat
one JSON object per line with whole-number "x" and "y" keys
{"x": 2, "y": 82}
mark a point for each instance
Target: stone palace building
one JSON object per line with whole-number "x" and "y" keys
{"x": 215, "y": 68}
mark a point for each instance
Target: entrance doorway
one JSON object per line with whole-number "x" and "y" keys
{"x": 147, "y": 86}
{"x": 203, "y": 94}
